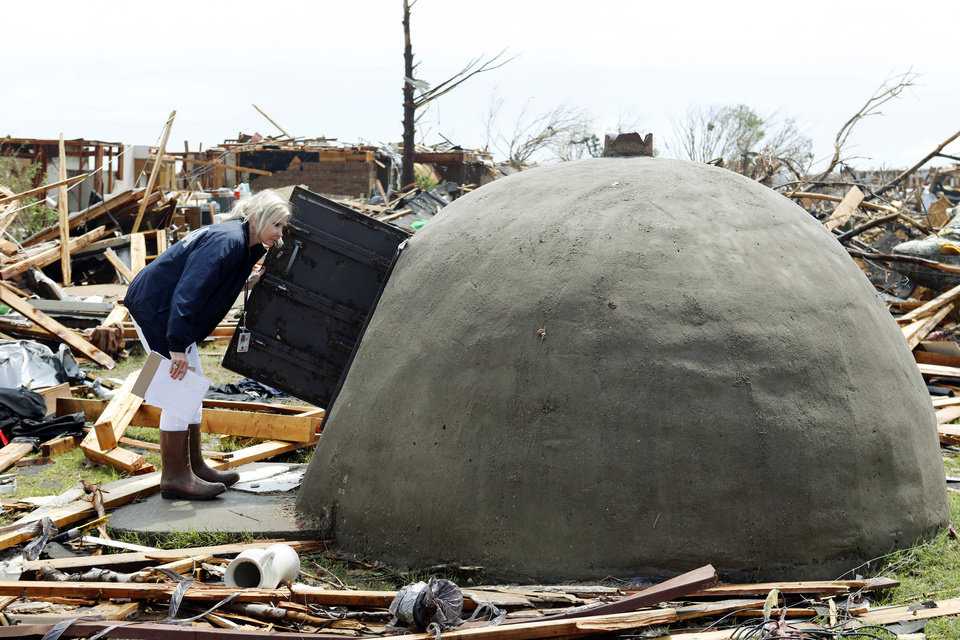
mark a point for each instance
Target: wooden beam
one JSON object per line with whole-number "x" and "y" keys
{"x": 50, "y": 395}
{"x": 843, "y": 211}
{"x": 68, "y": 182}
{"x": 64, "y": 211}
{"x": 138, "y": 253}
{"x": 63, "y": 333}
{"x": 915, "y": 332}
{"x": 164, "y": 555}
{"x": 123, "y": 271}
{"x": 246, "y": 424}
{"x": 12, "y": 453}
{"x": 49, "y": 256}
{"x": 115, "y": 417}
{"x": 220, "y": 163}
{"x": 153, "y": 173}
{"x": 56, "y": 446}
{"x": 112, "y": 206}
{"x": 930, "y": 306}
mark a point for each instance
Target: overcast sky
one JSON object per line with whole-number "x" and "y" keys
{"x": 113, "y": 70}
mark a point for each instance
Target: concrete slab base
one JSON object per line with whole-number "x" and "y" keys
{"x": 264, "y": 515}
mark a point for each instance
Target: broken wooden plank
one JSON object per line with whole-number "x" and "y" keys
{"x": 51, "y": 255}
{"x": 915, "y": 332}
{"x": 848, "y": 205}
{"x": 78, "y": 563}
{"x": 50, "y": 395}
{"x": 123, "y": 271}
{"x": 138, "y": 253}
{"x": 64, "y": 212}
{"x": 73, "y": 339}
{"x": 69, "y": 182}
{"x": 152, "y": 181}
{"x": 56, "y": 446}
{"x": 939, "y": 371}
{"x": 113, "y": 420}
{"x": 821, "y": 587}
{"x": 12, "y": 453}
{"x": 949, "y": 434}
{"x": 671, "y": 589}
{"x": 930, "y": 306}
{"x": 113, "y": 205}
{"x": 917, "y": 611}
{"x": 246, "y": 424}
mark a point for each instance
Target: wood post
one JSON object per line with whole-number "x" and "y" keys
{"x": 62, "y": 206}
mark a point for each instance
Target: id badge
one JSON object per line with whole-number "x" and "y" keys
{"x": 243, "y": 341}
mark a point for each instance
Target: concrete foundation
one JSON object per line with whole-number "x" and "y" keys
{"x": 624, "y": 367}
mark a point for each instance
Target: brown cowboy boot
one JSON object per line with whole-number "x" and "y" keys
{"x": 199, "y": 465}
{"x": 177, "y": 481}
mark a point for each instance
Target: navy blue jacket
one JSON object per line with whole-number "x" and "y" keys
{"x": 180, "y": 297}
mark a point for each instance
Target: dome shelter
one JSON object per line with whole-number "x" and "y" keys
{"x": 628, "y": 366}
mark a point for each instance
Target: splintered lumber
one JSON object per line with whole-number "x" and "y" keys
{"x": 50, "y": 395}
{"x": 890, "y": 615}
{"x": 819, "y": 587}
{"x": 915, "y": 332}
{"x": 51, "y": 255}
{"x": 247, "y": 424}
{"x": 12, "y": 453}
{"x": 939, "y": 371}
{"x": 138, "y": 253}
{"x": 568, "y": 628}
{"x": 56, "y": 446}
{"x": 145, "y": 592}
{"x": 671, "y": 589}
{"x": 930, "y": 306}
{"x": 77, "y": 563}
{"x": 949, "y": 434}
{"x": 946, "y": 401}
{"x": 73, "y": 339}
{"x": 110, "y": 206}
{"x": 155, "y": 446}
{"x": 154, "y": 631}
{"x": 948, "y": 414}
{"x": 845, "y": 209}
{"x": 122, "y": 270}
{"x": 69, "y": 182}
{"x": 121, "y": 492}
{"x": 154, "y": 171}
{"x": 64, "y": 213}
{"x": 115, "y": 417}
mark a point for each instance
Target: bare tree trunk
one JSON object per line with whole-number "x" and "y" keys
{"x": 409, "y": 109}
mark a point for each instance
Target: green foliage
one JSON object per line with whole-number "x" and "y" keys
{"x": 425, "y": 181}
{"x": 181, "y": 539}
{"x": 18, "y": 177}
{"x": 928, "y": 571}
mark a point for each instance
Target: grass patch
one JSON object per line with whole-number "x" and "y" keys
{"x": 181, "y": 539}
{"x": 63, "y": 473}
{"x": 929, "y": 571}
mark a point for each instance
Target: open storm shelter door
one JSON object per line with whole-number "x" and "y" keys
{"x": 309, "y": 310}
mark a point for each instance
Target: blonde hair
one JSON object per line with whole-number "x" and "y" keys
{"x": 261, "y": 210}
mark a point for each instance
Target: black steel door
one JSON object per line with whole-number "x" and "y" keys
{"x": 308, "y": 312}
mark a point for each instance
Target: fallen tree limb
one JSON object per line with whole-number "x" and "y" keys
{"x": 927, "y": 158}
{"x": 889, "y": 257}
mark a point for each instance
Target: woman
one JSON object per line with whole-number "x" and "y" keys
{"x": 178, "y": 300}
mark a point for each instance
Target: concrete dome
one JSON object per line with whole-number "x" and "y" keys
{"x": 625, "y": 367}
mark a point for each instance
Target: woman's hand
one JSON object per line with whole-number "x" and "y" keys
{"x": 178, "y": 365}
{"x": 255, "y": 276}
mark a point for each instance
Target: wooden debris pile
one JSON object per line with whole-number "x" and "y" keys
{"x": 152, "y": 593}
